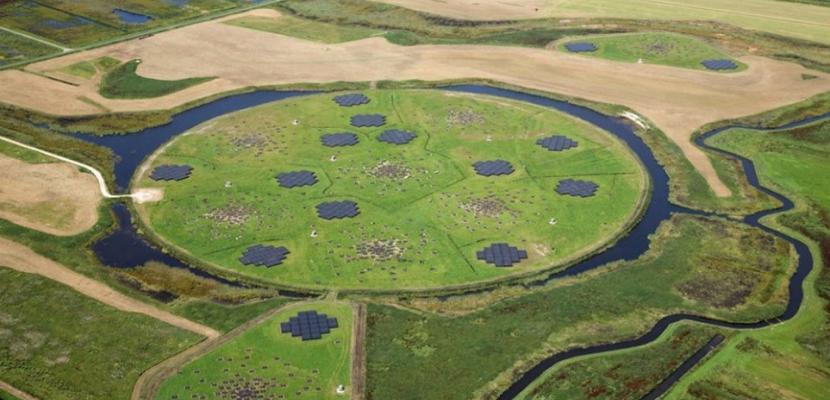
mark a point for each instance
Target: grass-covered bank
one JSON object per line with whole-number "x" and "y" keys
{"x": 610, "y": 305}
{"x": 625, "y": 374}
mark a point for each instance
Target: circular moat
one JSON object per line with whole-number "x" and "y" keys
{"x": 391, "y": 190}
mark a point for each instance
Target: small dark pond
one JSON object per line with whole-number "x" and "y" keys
{"x": 132, "y": 18}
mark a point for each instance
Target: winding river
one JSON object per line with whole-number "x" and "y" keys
{"x": 131, "y": 150}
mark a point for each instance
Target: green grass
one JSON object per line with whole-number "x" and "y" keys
{"x": 615, "y": 304}
{"x": 7, "y": 396}
{"x": 58, "y": 344}
{"x": 790, "y": 359}
{"x": 308, "y": 369}
{"x": 436, "y": 237}
{"x": 654, "y": 48}
{"x": 20, "y": 153}
{"x": 305, "y": 29}
{"x": 15, "y": 48}
{"x": 225, "y": 317}
{"x": 787, "y": 19}
{"x": 124, "y": 83}
{"x": 623, "y": 374}
{"x": 88, "y": 69}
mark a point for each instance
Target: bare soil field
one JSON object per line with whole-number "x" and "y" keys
{"x": 21, "y": 258}
{"x": 55, "y": 198}
{"x": 678, "y": 101}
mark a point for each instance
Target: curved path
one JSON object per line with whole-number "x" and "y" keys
{"x": 21, "y": 258}
{"x": 98, "y": 176}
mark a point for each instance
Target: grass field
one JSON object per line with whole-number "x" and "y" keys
{"x": 424, "y": 211}
{"x": 654, "y": 48}
{"x": 123, "y": 82}
{"x": 790, "y": 359}
{"x": 605, "y": 307}
{"x": 59, "y": 344}
{"x": 88, "y": 69}
{"x": 14, "y": 48}
{"x": 624, "y": 374}
{"x": 265, "y": 361}
{"x": 7, "y": 396}
{"x": 305, "y": 29}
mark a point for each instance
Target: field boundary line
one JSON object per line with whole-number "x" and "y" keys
{"x": 16, "y": 392}
{"x": 102, "y": 184}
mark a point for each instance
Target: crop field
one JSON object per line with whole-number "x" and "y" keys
{"x": 626, "y": 374}
{"x": 264, "y": 363}
{"x": 619, "y": 303}
{"x": 59, "y": 358}
{"x": 15, "y": 48}
{"x": 424, "y": 212}
{"x": 305, "y": 29}
{"x": 654, "y": 48}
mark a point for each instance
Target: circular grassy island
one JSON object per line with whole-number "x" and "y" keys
{"x": 400, "y": 190}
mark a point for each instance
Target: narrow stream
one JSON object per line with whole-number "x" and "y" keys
{"x": 131, "y": 150}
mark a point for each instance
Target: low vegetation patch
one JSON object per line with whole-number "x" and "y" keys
{"x": 655, "y": 48}
{"x": 124, "y": 83}
{"x": 58, "y": 344}
{"x": 264, "y": 363}
{"x": 305, "y": 29}
{"x": 626, "y": 374}
{"x": 90, "y": 68}
{"x": 15, "y": 48}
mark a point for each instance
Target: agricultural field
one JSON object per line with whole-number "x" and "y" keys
{"x": 305, "y": 29}
{"x": 424, "y": 211}
{"x": 266, "y": 363}
{"x": 654, "y": 48}
{"x": 88, "y": 69}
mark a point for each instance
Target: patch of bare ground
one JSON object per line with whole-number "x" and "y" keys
{"x": 678, "y": 101}
{"x": 21, "y": 258}
{"x": 359, "y": 352}
{"x": 55, "y": 198}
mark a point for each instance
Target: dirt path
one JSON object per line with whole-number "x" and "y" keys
{"x": 21, "y": 258}
{"x": 359, "y": 352}
{"x": 54, "y": 198}
{"x": 16, "y": 392}
{"x": 678, "y": 101}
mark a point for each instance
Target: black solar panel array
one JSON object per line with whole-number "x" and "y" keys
{"x": 396, "y": 136}
{"x": 339, "y": 139}
{"x": 352, "y": 99}
{"x": 171, "y": 172}
{"x": 297, "y": 179}
{"x": 501, "y": 255}
{"x": 581, "y": 47}
{"x": 264, "y": 256}
{"x": 338, "y": 209}
{"x": 493, "y": 168}
{"x": 309, "y": 325}
{"x": 719, "y": 65}
{"x": 366, "y": 120}
{"x": 557, "y": 143}
{"x": 573, "y": 187}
